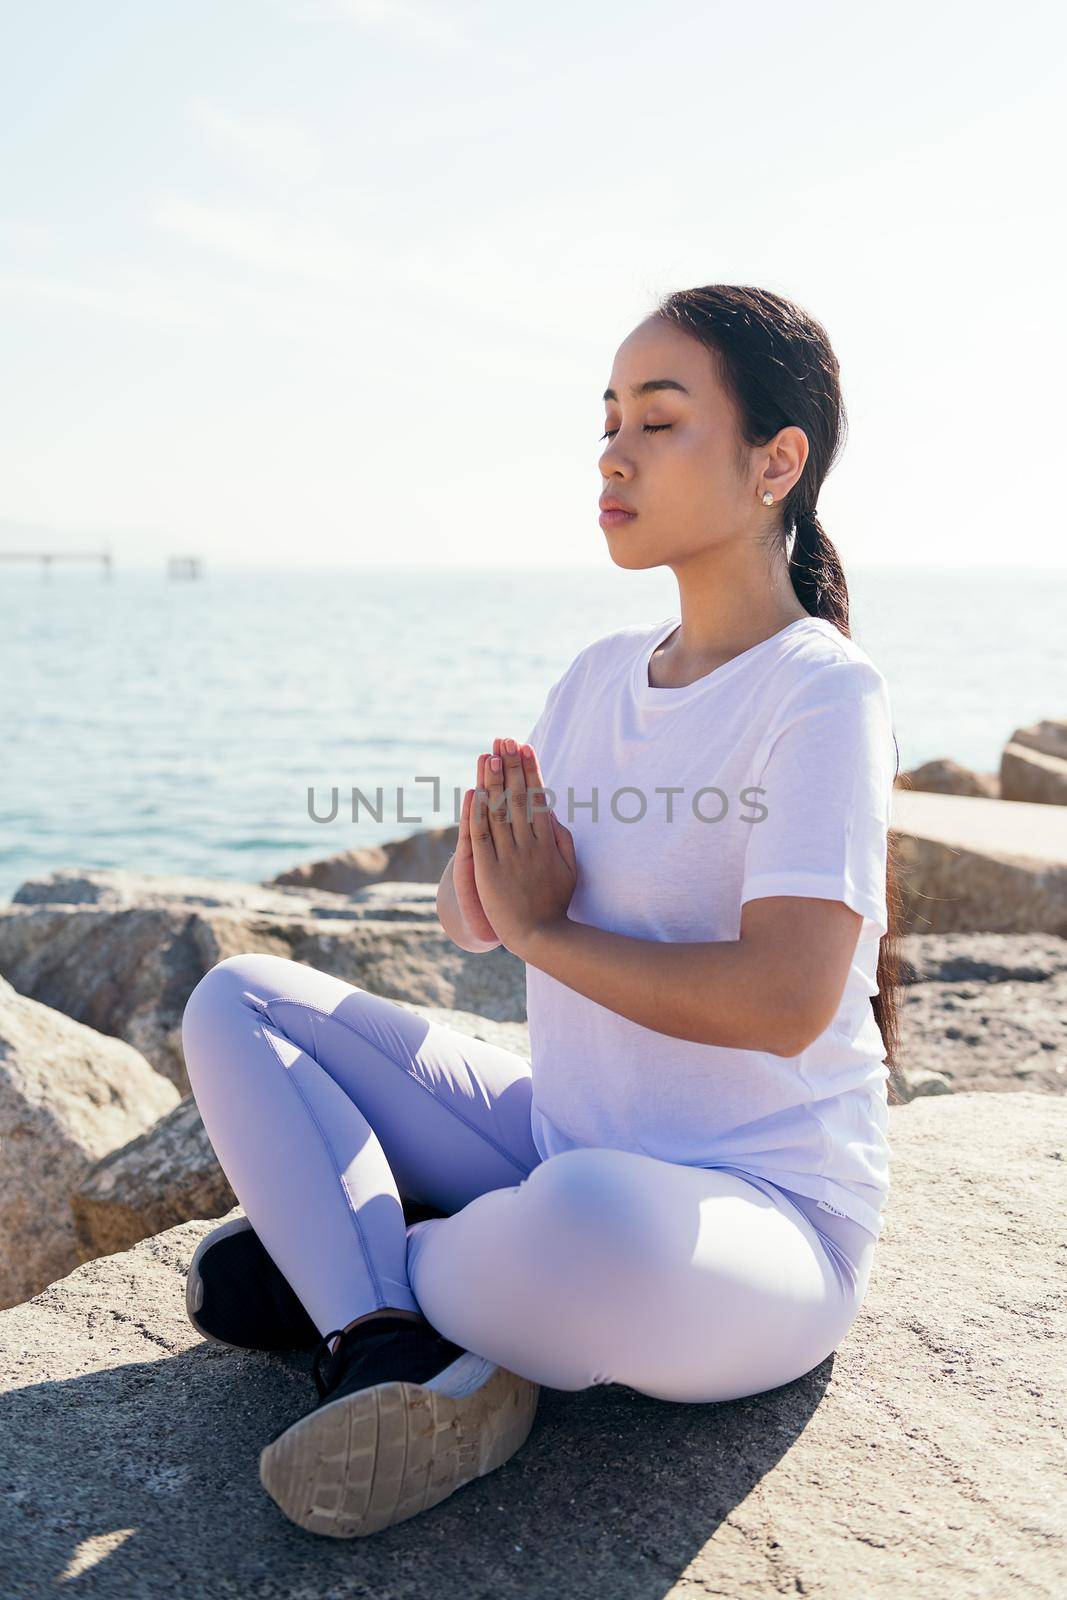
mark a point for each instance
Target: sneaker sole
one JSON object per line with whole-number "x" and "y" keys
{"x": 194, "y": 1283}
{"x": 377, "y": 1457}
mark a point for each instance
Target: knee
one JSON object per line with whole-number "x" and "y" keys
{"x": 254, "y": 973}
{"x": 598, "y": 1199}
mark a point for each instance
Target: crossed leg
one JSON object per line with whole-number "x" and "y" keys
{"x": 324, "y": 1103}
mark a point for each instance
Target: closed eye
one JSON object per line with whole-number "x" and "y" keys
{"x": 650, "y": 427}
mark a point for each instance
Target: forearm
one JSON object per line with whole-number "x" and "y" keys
{"x": 712, "y": 993}
{"x": 451, "y": 918}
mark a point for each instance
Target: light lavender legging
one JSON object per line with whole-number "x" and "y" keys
{"x": 325, "y": 1103}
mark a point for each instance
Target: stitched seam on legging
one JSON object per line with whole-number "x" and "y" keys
{"x": 329, "y": 1016}
{"x": 375, "y": 1281}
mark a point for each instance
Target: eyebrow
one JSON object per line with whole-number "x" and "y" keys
{"x": 648, "y": 387}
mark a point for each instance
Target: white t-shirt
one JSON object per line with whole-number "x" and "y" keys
{"x": 781, "y": 764}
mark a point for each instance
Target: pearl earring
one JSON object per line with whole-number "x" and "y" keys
{"x": 768, "y": 498}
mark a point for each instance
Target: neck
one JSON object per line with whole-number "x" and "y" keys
{"x": 727, "y": 607}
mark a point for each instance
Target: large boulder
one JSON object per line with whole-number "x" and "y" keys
{"x": 924, "y": 1456}
{"x": 1033, "y": 764}
{"x": 945, "y": 776}
{"x": 68, "y": 1096}
{"x": 122, "y": 951}
{"x": 420, "y": 857}
{"x": 1033, "y": 776}
{"x": 1049, "y": 737}
{"x": 165, "y": 1176}
{"x": 974, "y": 865}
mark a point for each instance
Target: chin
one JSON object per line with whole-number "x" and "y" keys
{"x": 633, "y": 559}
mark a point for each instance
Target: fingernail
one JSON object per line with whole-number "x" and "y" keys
{"x": 509, "y": 746}
{"x": 494, "y": 762}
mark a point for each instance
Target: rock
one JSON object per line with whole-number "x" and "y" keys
{"x": 122, "y": 951}
{"x": 984, "y": 1011}
{"x": 165, "y": 1176}
{"x": 945, "y": 776}
{"x": 968, "y": 864}
{"x": 419, "y": 858}
{"x": 927, "y": 1083}
{"x": 68, "y": 1096}
{"x": 116, "y": 889}
{"x": 170, "y": 1173}
{"x": 1033, "y": 776}
{"x": 923, "y": 1456}
{"x": 1049, "y": 737}
{"x": 1033, "y": 764}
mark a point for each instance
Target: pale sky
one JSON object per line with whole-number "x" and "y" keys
{"x": 341, "y": 281}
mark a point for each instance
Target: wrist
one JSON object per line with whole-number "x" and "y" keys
{"x": 535, "y": 941}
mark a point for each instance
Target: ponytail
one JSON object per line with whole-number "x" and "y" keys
{"x": 816, "y": 572}
{"x": 819, "y": 581}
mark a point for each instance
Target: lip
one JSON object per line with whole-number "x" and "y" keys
{"x": 614, "y": 515}
{"x": 608, "y": 502}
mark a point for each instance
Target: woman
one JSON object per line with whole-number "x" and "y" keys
{"x": 682, "y": 1192}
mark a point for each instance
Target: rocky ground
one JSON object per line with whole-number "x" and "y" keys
{"x": 984, "y": 1011}
{"x": 924, "y": 1455}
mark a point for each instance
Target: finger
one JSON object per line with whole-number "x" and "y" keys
{"x": 483, "y": 797}
{"x": 468, "y": 808}
{"x": 499, "y": 821}
{"x": 465, "y": 820}
{"x": 515, "y": 784}
{"x": 537, "y": 805}
{"x": 496, "y": 751}
{"x": 564, "y": 842}
{"x": 481, "y": 839}
{"x": 499, "y": 752}
{"x": 480, "y": 780}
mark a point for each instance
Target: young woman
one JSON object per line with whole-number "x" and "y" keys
{"x": 682, "y": 1191}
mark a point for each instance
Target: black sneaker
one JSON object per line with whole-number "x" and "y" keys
{"x": 236, "y": 1296}
{"x": 403, "y": 1419}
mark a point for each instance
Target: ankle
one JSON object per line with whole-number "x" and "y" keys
{"x": 384, "y": 1313}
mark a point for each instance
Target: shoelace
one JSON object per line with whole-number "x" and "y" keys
{"x": 322, "y": 1349}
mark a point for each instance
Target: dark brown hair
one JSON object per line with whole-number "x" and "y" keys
{"x": 777, "y": 364}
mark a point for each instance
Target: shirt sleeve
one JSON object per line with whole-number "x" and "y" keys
{"x": 535, "y": 737}
{"x": 825, "y": 787}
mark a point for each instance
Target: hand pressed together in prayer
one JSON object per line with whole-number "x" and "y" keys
{"x": 520, "y": 856}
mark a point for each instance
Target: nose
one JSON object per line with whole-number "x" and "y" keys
{"x": 612, "y": 465}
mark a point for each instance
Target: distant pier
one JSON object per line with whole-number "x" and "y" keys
{"x": 181, "y": 567}
{"x": 47, "y": 557}
{"x": 184, "y": 567}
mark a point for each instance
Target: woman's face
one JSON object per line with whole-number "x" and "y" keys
{"x": 682, "y": 478}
